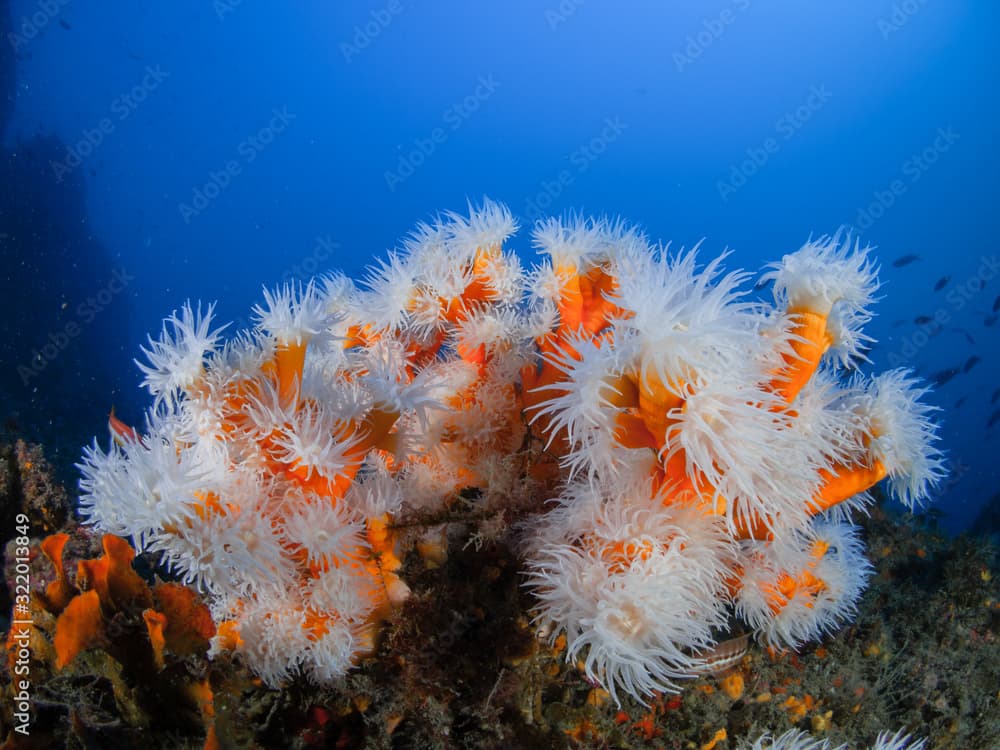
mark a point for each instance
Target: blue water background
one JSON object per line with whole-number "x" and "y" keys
{"x": 216, "y": 147}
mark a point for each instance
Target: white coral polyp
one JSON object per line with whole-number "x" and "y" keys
{"x": 904, "y": 436}
{"x": 177, "y": 358}
{"x": 824, "y": 272}
{"x": 827, "y": 564}
{"x": 637, "y": 589}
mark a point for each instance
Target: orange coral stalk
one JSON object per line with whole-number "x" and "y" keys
{"x": 475, "y": 355}
{"x": 570, "y": 298}
{"x": 595, "y": 286}
{"x": 811, "y": 343}
{"x": 290, "y": 359}
{"x": 844, "y": 482}
{"x": 620, "y": 391}
{"x": 378, "y": 424}
{"x": 753, "y": 528}
{"x": 655, "y": 403}
{"x": 631, "y": 432}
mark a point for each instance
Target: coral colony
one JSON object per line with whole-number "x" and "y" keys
{"x": 702, "y": 453}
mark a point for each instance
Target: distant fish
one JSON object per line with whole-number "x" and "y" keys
{"x": 994, "y": 418}
{"x": 995, "y": 396}
{"x": 65, "y": 24}
{"x": 970, "y": 363}
{"x": 996, "y": 304}
{"x": 942, "y": 283}
{"x": 958, "y": 404}
{"x": 990, "y": 320}
{"x": 905, "y": 260}
{"x": 968, "y": 336}
{"x": 943, "y": 376}
{"x": 923, "y": 320}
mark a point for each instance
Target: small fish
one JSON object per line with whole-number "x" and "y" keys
{"x": 990, "y": 320}
{"x": 943, "y": 376}
{"x": 905, "y": 260}
{"x": 723, "y": 657}
{"x": 970, "y": 363}
{"x": 996, "y": 304}
{"x": 923, "y": 320}
{"x": 958, "y": 404}
{"x": 65, "y": 24}
{"x": 968, "y": 336}
{"x": 994, "y": 418}
{"x": 120, "y": 431}
{"x": 942, "y": 283}
{"x": 995, "y": 396}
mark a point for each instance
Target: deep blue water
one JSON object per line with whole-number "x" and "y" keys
{"x": 155, "y": 152}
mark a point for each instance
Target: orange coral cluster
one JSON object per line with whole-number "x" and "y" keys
{"x": 649, "y": 407}
{"x": 108, "y": 586}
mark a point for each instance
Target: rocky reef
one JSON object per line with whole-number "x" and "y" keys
{"x": 460, "y": 665}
